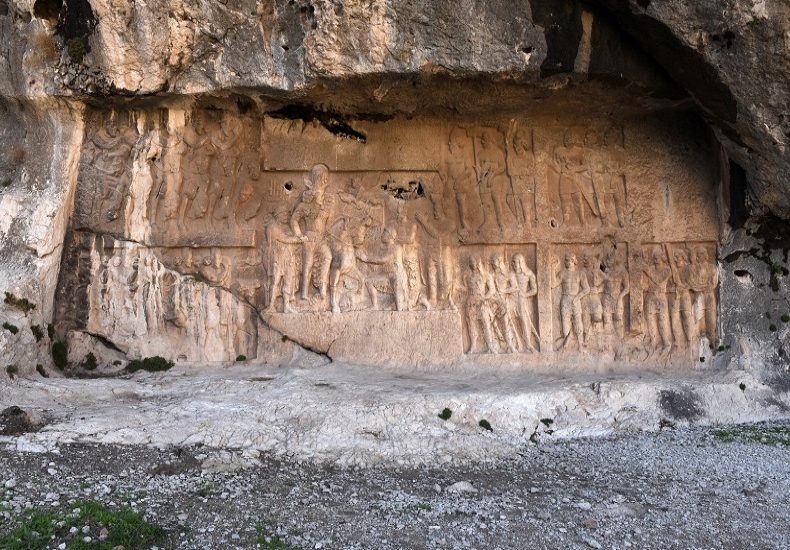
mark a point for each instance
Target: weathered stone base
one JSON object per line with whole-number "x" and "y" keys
{"x": 352, "y": 416}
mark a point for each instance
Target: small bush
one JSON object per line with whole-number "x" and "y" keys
{"x": 38, "y": 332}
{"x": 241, "y": 358}
{"x": 284, "y": 338}
{"x": 13, "y": 329}
{"x": 12, "y": 370}
{"x": 547, "y": 422}
{"x": 77, "y": 49}
{"x": 19, "y": 303}
{"x": 40, "y": 369}
{"x": 776, "y": 269}
{"x": 742, "y": 386}
{"x": 150, "y": 364}
{"x": 117, "y": 362}
{"x": 772, "y": 327}
{"x": 60, "y": 354}
{"x": 786, "y": 318}
{"x": 445, "y": 414}
{"x": 486, "y": 425}
{"x": 701, "y": 359}
{"x": 89, "y": 363}
{"x": 51, "y": 331}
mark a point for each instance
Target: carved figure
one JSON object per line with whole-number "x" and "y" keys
{"x": 571, "y": 167}
{"x": 616, "y": 286}
{"x": 217, "y": 269}
{"x": 394, "y": 276}
{"x": 574, "y": 289}
{"x": 521, "y": 169}
{"x": 682, "y": 307}
{"x": 281, "y": 264}
{"x": 592, "y": 307}
{"x": 491, "y": 174}
{"x": 344, "y": 261}
{"x": 501, "y": 313}
{"x": 704, "y": 279}
{"x": 112, "y": 150}
{"x": 224, "y": 169}
{"x": 479, "y": 290}
{"x": 168, "y": 178}
{"x": 439, "y": 260}
{"x": 656, "y": 307}
{"x": 136, "y": 215}
{"x": 458, "y": 172}
{"x": 610, "y": 186}
{"x": 309, "y": 219}
{"x": 524, "y": 281}
{"x": 196, "y": 165}
{"x": 407, "y": 237}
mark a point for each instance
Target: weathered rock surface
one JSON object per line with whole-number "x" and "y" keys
{"x": 336, "y": 66}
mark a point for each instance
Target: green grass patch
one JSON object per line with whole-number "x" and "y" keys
{"x": 765, "y": 435}
{"x": 37, "y": 528}
{"x": 445, "y": 414}
{"x": 150, "y": 364}
{"x": 271, "y": 542}
{"x": 486, "y": 425}
{"x": 241, "y": 358}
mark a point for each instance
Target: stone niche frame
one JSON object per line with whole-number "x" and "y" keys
{"x": 400, "y": 249}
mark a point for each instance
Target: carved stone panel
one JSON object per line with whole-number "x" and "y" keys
{"x": 515, "y": 240}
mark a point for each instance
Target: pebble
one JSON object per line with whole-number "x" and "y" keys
{"x": 461, "y": 487}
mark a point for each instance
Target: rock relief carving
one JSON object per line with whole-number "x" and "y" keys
{"x": 464, "y": 235}
{"x": 499, "y": 304}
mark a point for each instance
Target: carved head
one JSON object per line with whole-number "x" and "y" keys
{"x": 388, "y": 236}
{"x": 521, "y": 142}
{"x": 116, "y": 261}
{"x": 485, "y": 140}
{"x": 319, "y": 176}
{"x": 111, "y": 127}
{"x": 570, "y": 260}
{"x": 518, "y": 262}
{"x": 497, "y": 261}
{"x": 701, "y": 255}
{"x": 658, "y": 258}
{"x": 197, "y": 123}
{"x": 246, "y": 192}
{"x": 456, "y": 141}
{"x": 681, "y": 258}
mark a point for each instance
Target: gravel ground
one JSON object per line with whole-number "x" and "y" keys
{"x": 679, "y": 488}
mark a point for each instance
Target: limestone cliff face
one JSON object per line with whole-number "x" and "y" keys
{"x": 338, "y": 61}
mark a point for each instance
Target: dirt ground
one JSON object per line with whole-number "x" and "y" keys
{"x": 689, "y": 488}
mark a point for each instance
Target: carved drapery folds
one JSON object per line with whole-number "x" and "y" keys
{"x": 530, "y": 239}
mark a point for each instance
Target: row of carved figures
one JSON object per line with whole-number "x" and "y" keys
{"x": 134, "y": 296}
{"x": 210, "y": 173}
{"x": 679, "y": 291}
